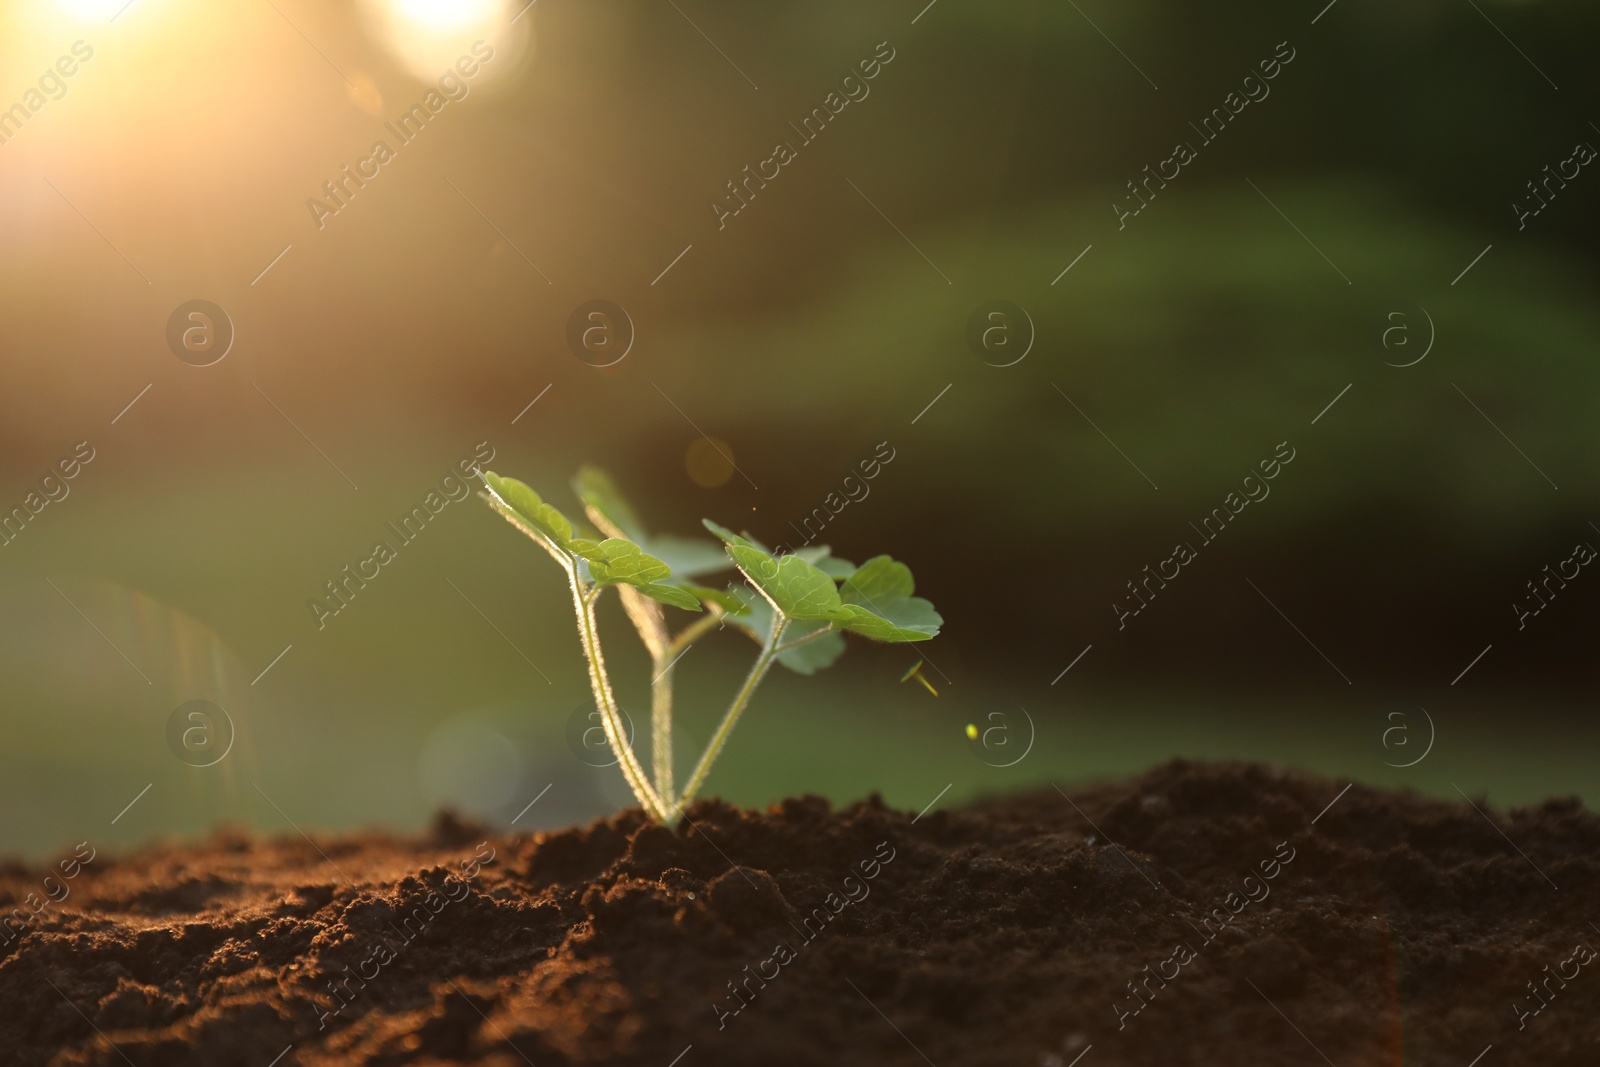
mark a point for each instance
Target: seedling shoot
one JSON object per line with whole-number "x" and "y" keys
{"x": 797, "y": 607}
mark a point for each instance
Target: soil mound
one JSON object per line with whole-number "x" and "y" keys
{"x": 1199, "y": 914}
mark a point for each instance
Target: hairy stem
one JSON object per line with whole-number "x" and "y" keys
{"x": 664, "y": 664}
{"x": 661, "y": 726}
{"x": 649, "y": 620}
{"x": 616, "y": 736}
{"x": 664, "y": 657}
{"x": 769, "y": 652}
{"x": 797, "y": 642}
{"x": 693, "y": 632}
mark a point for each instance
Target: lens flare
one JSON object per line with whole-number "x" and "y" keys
{"x": 449, "y": 14}
{"x": 428, "y": 37}
{"x": 91, "y": 10}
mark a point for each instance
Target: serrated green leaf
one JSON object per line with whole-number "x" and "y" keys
{"x": 726, "y": 600}
{"x": 822, "y": 558}
{"x": 758, "y": 565}
{"x": 671, "y": 594}
{"x": 879, "y": 578}
{"x": 727, "y": 535}
{"x": 599, "y": 493}
{"x": 897, "y": 620}
{"x": 616, "y": 559}
{"x": 801, "y": 591}
{"x": 531, "y": 508}
{"x": 836, "y": 568}
{"x": 877, "y": 603}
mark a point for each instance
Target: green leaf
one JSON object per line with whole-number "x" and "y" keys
{"x": 616, "y": 559}
{"x": 879, "y": 578}
{"x": 836, "y": 568}
{"x": 726, "y": 600}
{"x": 904, "y": 619}
{"x": 877, "y": 603}
{"x": 799, "y": 589}
{"x": 528, "y": 506}
{"x": 757, "y": 565}
{"x": 600, "y": 494}
{"x": 821, "y": 557}
{"x": 671, "y": 594}
{"x": 727, "y": 535}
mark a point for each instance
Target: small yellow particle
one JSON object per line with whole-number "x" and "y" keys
{"x": 972, "y": 732}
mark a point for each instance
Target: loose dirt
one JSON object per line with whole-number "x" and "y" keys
{"x": 1197, "y": 915}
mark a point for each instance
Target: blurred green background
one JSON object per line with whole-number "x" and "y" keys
{"x": 821, "y": 321}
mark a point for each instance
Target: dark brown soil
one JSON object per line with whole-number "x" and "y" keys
{"x": 1392, "y": 930}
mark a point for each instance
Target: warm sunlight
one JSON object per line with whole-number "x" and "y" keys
{"x": 428, "y": 36}
{"x": 92, "y": 10}
{"x": 449, "y": 14}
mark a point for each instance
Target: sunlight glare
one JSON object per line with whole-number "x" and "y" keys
{"x": 450, "y": 14}
{"x": 429, "y": 36}
{"x": 92, "y": 10}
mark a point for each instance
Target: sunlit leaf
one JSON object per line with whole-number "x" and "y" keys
{"x": 877, "y": 579}
{"x": 611, "y": 510}
{"x": 801, "y": 591}
{"x": 616, "y": 559}
{"x": 902, "y": 619}
{"x": 677, "y": 596}
{"x": 877, "y": 603}
{"x": 726, "y": 534}
{"x": 529, "y": 507}
{"x": 724, "y": 599}
{"x": 821, "y": 557}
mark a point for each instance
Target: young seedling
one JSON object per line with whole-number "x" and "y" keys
{"x": 797, "y": 607}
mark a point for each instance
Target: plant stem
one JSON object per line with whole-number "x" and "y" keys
{"x": 693, "y": 632}
{"x": 664, "y": 655}
{"x": 661, "y": 725}
{"x": 769, "y": 652}
{"x": 616, "y": 736}
{"x": 647, "y": 618}
{"x": 797, "y": 642}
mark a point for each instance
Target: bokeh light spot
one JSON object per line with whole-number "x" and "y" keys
{"x": 709, "y": 462}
